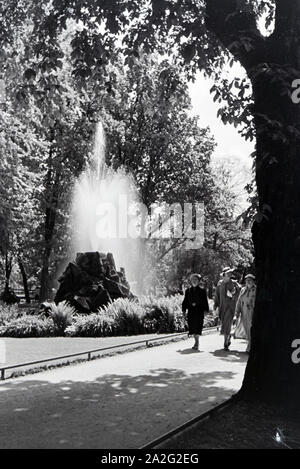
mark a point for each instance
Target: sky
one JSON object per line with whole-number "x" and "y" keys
{"x": 231, "y": 148}
{"x": 230, "y": 143}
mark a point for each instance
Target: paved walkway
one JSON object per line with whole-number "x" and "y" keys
{"x": 122, "y": 401}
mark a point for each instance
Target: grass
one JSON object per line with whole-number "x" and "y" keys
{"x": 30, "y": 349}
{"x": 27, "y": 350}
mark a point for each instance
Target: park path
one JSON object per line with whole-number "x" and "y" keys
{"x": 122, "y": 401}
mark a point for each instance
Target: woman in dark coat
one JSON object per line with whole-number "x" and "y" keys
{"x": 196, "y": 304}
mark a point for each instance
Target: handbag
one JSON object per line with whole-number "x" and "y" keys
{"x": 238, "y": 331}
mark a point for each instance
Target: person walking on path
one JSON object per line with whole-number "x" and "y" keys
{"x": 226, "y": 296}
{"x": 244, "y": 310}
{"x": 196, "y": 304}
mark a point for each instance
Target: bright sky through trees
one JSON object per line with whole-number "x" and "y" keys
{"x": 231, "y": 146}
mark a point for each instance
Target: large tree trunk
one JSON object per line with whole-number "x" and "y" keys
{"x": 272, "y": 64}
{"x": 25, "y": 282}
{"x": 276, "y": 235}
{"x": 45, "y": 284}
{"x": 49, "y": 233}
{"x": 8, "y": 270}
{"x": 52, "y": 200}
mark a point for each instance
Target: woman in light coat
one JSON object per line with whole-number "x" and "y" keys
{"x": 226, "y": 295}
{"x": 244, "y": 310}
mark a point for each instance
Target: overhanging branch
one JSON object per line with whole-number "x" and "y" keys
{"x": 287, "y": 17}
{"x": 285, "y": 38}
{"x": 234, "y": 24}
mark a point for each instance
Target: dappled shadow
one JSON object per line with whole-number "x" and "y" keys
{"x": 231, "y": 355}
{"x": 188, "y": 351}
{"x": 109, "y": 411}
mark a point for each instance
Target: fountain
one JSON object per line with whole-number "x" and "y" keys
{"x": 98, "y": 213}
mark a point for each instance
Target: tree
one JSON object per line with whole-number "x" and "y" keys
{"x": 271, "y": 64}
{"x": 227, "y": 239}
{"x": 56, "y": 109}
{"x": 20, "y": 151}
{"x": 151, "y": 134}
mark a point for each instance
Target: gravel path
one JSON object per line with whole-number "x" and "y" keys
{"x": 122, "y": 401}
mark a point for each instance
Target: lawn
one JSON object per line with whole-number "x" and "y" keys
{"x": 31, "y": 349}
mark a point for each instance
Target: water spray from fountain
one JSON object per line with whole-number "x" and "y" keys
{"x": 98, "y": 209}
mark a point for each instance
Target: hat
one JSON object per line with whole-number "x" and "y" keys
{"x": 198, "y": 276}
{"x": 227, "y": 270}
{"x": 250, "y": 276}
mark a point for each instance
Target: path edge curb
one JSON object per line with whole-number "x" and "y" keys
{"x": 189, "y": 423}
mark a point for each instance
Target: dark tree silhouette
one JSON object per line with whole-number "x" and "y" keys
{"x": 271, "y": 63}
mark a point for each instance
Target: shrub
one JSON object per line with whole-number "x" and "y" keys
{"x": 62, "y": 316}
{"x": 163, "y": 314}
{"x": 128, "y": 323}
{"x": 8, "y": 313}
{"x": 127, "y": 316}
{"x": 211, "y": 319}
{"x": 93, "y": 325}
{"x": 121, "y": 317}
{"x": 120, "y": 306}
{"x": 28, "y": 326}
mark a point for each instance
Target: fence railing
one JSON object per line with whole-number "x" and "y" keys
{"x": 88, "y": 352}
{"x": 19, "y": 292}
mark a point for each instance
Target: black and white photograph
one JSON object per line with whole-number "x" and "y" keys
{"x": 149, "y": 229}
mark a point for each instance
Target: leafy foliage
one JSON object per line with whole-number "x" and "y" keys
{"x": 61, "y": 315}
{"x": 94, "y": 325}
{"x": 122, "y": 317}
{"x": 8, "y": 313}
{"x": 70, "y": 64}
{"x": 163, "y": 314}
{"x": 28, "y": 326}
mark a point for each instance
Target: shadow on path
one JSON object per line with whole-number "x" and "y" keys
{"x": 231, "y": 355}
{"x": 110, "y": 411}
{"x": 188, "y": 351}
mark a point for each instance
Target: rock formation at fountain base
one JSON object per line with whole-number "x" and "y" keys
{"x": 92, "y": 282}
